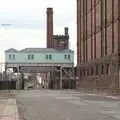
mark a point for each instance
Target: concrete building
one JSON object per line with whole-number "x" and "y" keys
{"x": 55, "y": 41}
{"x": 98, "y": 43}
{"x": 39, "y": 56}
{"x": 41, "y": 60}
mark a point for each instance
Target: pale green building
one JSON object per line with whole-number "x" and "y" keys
{"x": 39, "y": 56}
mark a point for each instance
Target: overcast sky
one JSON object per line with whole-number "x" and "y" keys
{"x": 28, "y": 22}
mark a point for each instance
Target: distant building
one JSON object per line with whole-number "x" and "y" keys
{"x": 55, "y": 41}
{"x": 39, "y": 56}
{"x": 61, "y": 41}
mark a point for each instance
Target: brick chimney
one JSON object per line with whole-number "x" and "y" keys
{"x": 49, "y": 27}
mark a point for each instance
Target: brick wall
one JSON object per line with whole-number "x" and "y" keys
{"x": 100, "y": 43}
{"x": 102, "y": 73}
{"x": 89, "y": 28}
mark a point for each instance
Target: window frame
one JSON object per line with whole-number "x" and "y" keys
{"x": 13, "y": 56}
{"x": 10, "y": 56}
{"x": 65, "y": 56}
{"x": 102, "y": 69}
{"x": 107, "y": 68}
{"x": 30, "y": 56}
{"x": 50, "y": 57}
{"x": 46, "y": 57}
{"x": 69, "y": 57}
{"x": 96, "y": 69}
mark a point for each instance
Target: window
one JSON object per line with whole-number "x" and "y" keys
{"x": 12, "y": 57}
{"x": 107, "y": 68}
{"x": 47, "y": 57}
{"x": 65, "y": 56}
{"x": 92, "y": 71}
{"x": 102, "y": 69}
{"x": 96, "y": 69}
{"x": 9, "y": 56}
{"x": 88, "y": 73}
{"x": 69, "y": 57}
{"x": 30, "y": 57}
{"x": 50, "y": 57}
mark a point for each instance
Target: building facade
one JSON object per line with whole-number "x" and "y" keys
{"x": 40, "y": 56}
{"x": 98, "y": 43}
{"x": 42, "y": 60}
{"x": 61, "y": 41}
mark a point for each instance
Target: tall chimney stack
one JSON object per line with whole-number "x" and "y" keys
{"x": 49, "y": 27}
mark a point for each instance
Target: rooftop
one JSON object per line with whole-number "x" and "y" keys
{"x": 39, "y": 50}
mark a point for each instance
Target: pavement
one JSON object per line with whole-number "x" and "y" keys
{"x": 66, "y": 105}
{"x": 58, "y": 105}
{"x": 8, "y": 109}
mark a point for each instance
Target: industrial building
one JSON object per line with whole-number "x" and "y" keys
{"x": 40, "y": 56}
{"x": 98, "y": 43}
{"x": 47, "y": 61}
{"x": 55, "y": 63}
{"x": 55, "y": 41}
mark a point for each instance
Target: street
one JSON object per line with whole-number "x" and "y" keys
{"x": 66, "y": 105}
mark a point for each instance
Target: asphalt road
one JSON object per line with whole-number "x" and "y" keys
{"x": 66, "y": 105}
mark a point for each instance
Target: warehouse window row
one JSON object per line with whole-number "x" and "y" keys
{"x": 96, "y": 70}
{"x": 32, "y": 57}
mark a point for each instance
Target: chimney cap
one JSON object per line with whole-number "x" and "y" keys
{"x": 49, "y": 9}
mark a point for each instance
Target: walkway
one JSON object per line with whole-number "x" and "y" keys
{"x": 8, "y": 109}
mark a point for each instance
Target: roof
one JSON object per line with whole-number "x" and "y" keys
{"x": 39, "y": 50}
{"x": 11, "y": 50}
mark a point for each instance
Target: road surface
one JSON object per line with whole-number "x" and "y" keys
{"x": 66, "y": 105}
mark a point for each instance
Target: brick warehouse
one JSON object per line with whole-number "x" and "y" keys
{"x": 98, "y": 43}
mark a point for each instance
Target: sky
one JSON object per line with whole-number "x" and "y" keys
{"x": 27, "y": 19}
